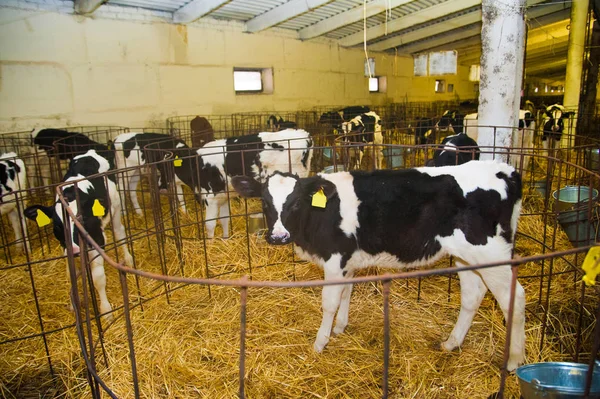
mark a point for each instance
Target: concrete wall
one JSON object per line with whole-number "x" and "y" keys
{"x": 59, "y": 69}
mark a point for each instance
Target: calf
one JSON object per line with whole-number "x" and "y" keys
{"x": 554, "y": 125}
{"x": 455, "y": 150}
{"x": 208, "y": 170}
{"x": 96, "y": 201}
{"x": 13, "y": 177}
{"x": 402, "y": 218}
{"x": 365, "y": 129}
{"x": 131, "y": 151}
{"x": 422, "y": 130}
{"x": 64, "y": 144}
{"x": 521, "y": 139}
{"x": 351, "y": 112}
{"x": 276, "y": 124}
{"x": 202, "y": 131}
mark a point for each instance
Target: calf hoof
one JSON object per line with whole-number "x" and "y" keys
{"x": 139, "y": 212}
{"x": 163, "y": 191}
{"x": 318, "y": 346}
{"x": 337, "y": 330}
{"x": 449, "y": 345}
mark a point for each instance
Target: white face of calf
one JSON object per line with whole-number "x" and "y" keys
{"x": 275, "y": 193}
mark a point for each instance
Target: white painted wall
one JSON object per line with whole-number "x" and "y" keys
{"x": 130, "y": 67}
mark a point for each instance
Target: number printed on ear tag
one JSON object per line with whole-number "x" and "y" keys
{"x": 319, "y": 200}
{"x": 42, "y": 219}
{"x": 97, "y": 209}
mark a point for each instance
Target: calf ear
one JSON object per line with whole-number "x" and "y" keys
{"x": 328, "y": 187}
{"x": 31, "y": 212}
{"x": 246, "y": 186}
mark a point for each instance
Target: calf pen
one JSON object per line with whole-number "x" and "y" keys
{"x": 219, "y": 318}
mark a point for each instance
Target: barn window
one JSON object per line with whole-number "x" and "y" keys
{"x": 248, "y": 80}
{"x": 373, "y": 85}
{"x": 450, "y": 87}
{"x": 442, "y": 63}
{"x": 440, "y": 86}
{"x": 475, "y": 73}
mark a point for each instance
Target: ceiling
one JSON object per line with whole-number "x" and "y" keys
{"x": 402, "y": 26}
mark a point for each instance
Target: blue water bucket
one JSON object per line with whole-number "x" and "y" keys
{"x": 557, "y": 380}
{"x": 334, "y": 168}
{"x": 394, "y": 157}
{"x": 573, "y": 203}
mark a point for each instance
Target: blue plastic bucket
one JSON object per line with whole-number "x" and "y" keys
{"x": 557, "y": 380}
{"x": 573, "y": 204}
{"x": 394, "y": 157}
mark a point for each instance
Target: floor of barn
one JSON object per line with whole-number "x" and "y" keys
{"x": 189, "y": 346}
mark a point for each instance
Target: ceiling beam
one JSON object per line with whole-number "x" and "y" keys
{"x": 196, "y": 9}
{"x": 463, "y": 45}
{"x": 348, "y": 17}
{"x": 416, "y": 35}
{"x": 415, "y": 18}
{"x": 546, "y": 66}
{"x": 441, "y": 40}
{"x": 86, "y": 7}
{"x": 282, "y": 13}
{"x": 536, "y": 12}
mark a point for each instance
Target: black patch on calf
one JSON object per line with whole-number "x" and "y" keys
{"x": 240, "y": 163}
{"x": 454, "y": 156}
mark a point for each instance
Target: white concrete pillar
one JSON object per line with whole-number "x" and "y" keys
{"x": 579, "y": 14}
{"x": 502, "y": 53}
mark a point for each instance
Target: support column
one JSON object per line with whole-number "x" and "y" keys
{"x": 579, "y": 14}
{"x": 502, "y": 53}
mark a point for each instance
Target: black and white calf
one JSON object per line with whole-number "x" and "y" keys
{"x": 456, "y": 150}
{"x": 130, "y": 152}
{"x": 208, "y": 170}
{"x": 13, "y": 178}
{"x": 402, "y": 218}
{"x": 94, "y": 199}
{"x": 554, "y": 124}
{"x": 65, "y": 144}
{"x": 276, "y": 124}
{"x": 365, "y": 129}
{"x": 450, "y": 122}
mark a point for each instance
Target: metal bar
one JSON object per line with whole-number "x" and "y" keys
{"x": 126, "y": 311}
{"x": 386, "y": 336}
{"x": 243, "y": 300}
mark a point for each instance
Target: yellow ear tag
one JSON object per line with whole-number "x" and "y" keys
{"x": 319, "y": 200}
{"x": 591, "y": 266}
{"x": 177, "y": 162}
{"x": 42, "y": 219}
{"x": 97, "y": 209}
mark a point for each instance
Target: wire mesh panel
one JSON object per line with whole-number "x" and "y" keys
{"x": 188, "y": 322}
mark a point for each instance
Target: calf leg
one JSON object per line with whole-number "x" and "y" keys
{"x": 331, "y": 298}
{"x": 180, "y": 197}
{"x": 212, "y": 210}
{"x": 19, "y": 227}
{"x": 133, "y": 183}
{"x": 120, "y": 235}
{"x": 224, "y": 218}
{"x": 498, "y": 280}
{"x": 99, "y": 279}
{"x": 472, "y": 291}
{"x": 341, "y": 320}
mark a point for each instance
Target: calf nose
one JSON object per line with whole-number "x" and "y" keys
{"x": 280, "y": 238}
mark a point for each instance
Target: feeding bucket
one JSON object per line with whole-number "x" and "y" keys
{"x": 394, "y": 157}
{"x": 573, "y": 203}
{"x": 557, "y": 380}
{"x": 334, "y": 168}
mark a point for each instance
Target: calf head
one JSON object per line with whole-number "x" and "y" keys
{"x": 554, "y": 118}
{"x": 283, "y": 195}
{"x": 86, "y": 200}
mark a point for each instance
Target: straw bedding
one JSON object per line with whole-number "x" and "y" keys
{"x": 189, "y": 347}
